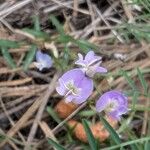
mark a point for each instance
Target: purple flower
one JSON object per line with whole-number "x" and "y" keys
{"x": 114, "y": 103}
{"x": 90, "y": 64}
{"x": 43, "y": 60}
{"x": 75, "y": 86}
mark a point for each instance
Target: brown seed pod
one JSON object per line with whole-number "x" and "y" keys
{"x": 78, "y": 130}
{"x": 98, "y": 130}
{"x": 65, "y": 109}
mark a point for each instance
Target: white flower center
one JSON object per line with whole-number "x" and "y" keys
{"x": 111, "y": 106}
{"x": 70, "y": 86}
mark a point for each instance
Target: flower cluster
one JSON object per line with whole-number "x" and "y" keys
{"x": 76, "y": 86}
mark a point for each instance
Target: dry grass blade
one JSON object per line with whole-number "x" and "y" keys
{"x": 14, "y": 8}
{"x": 12, "y": 144}
{"x": 69, "y": 117}
{"x": 30, "y": 111}
{"x": 107, "y": 23}
{"x": 15, "y": 82}
{"x": 38, "y": 117}
{"x": 47, "y": 131}
{"x": 120, "y": 32}
{"x": 19, "y": 91}
{"x": 68, "y": 6}
{"x": 10, "y": 119}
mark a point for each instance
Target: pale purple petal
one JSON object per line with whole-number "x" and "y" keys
{"x": 114, "y": 103}
{"x": 75, "y": 74}
{"x": 69, "y": 98}
{"x": 61, "y": 88}
{"x": 86, "y": 85}
{"x": 101, "y": 70}
{"x": 102, "y": 103}
{"x": 115, "y": 115}
{"x": 75, "y": 80}
{"x": 80, "y": 62}
{"x": 89, "y": 56}
{"x": 39, "y": 56}
{"x": 92, "y": 70}
{"x": 123, "y": 110}
{"x": 43, "y": 60}
{"x": 48, "y": 60}
{"x": 90, "y": 65}
{"x": 80, "y": 56}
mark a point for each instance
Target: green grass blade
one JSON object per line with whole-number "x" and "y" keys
{"x": 29, "y": 57}
{"x": 128, "y": 79}
{"x": 112, "y": 132}
{"x": 38, "y": 34}
{"x": 91, "y": 139}
{"x": 36, "y": 23}
{"x": 57, "y": 24}
{"x": 142, "y": 80}
{"x": 55, "y": 144}
{"x": 147, "y": 145}
{"x": 133, "y": 147}
{"x": 134, "y": 99}
{"x": 85, "y": 147}
{"x": 8, "y": 44}
{"x": 8, "y": 57}
{"x": 65, "y": 38}
{"x": 53, "y": 114}
{"x": 2, "y": 137}
{"x": 87, "y": 44}
{"x": 87, "y": 113}
{"x": 65, "y": 59}
{"x": 127, "y": 143}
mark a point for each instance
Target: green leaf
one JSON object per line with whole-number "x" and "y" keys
{"x": 53, "y": 114}
{"x": 56, "y": 23}
{"x": 55, "y": 144}
{"x": 8, "y": 44}
{"x": 142, "y": 80}
{"x": 91, "y": 139}
{"x": 112, "y": 132}
{"x": 8, "y": 57}
{"x": 29, "y": 57}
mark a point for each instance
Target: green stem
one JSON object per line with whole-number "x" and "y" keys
{"x": 127, "y": 143}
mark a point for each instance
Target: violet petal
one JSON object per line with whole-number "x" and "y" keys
{"x": 114, "y": 103}
{"x": 43, "y": 60}
{"x": 75, "y": 86}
